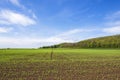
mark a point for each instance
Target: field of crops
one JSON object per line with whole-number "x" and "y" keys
{"x": 66, "y": 64}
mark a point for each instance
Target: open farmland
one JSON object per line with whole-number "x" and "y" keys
{"x": 66, "y": 64}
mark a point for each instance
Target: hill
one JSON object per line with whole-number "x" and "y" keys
{"x": 101, "y": 42}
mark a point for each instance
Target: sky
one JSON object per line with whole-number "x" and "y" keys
{"x": 36, "y": 23}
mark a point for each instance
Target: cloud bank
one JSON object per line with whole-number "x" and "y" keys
{"x": 8, "y": 17}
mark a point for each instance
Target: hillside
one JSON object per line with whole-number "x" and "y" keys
{"x": 101, "y": 42}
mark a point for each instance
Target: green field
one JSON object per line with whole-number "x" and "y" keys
{"x": 66, "y": 64}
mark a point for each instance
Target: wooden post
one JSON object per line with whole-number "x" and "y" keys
{"x": 51, "y": 55}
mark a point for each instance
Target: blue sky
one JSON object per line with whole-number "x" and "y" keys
{"x": 35, "y": 23}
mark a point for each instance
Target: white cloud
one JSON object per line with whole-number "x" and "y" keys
{"x": 113, "y": 19}
{"x": 37, "y": 42}
{"x": 17, "y": 3}
{"x": 32, "y": 13}
{"x": 28, "y": 42}
{"x": 5, "y": 30}
{"x": 71, "y": 35}
{"x": 113, "y": 23}
{"x": 74, "y": 31}
{"x": 8, "y": 17}
{"x": 113, "y": 16}
{"x": 113, "y": 30}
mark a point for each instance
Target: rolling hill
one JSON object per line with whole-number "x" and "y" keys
{"x": 100, "y": 42}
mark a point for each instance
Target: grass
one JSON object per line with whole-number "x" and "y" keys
{"x": 67, "y": 64}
